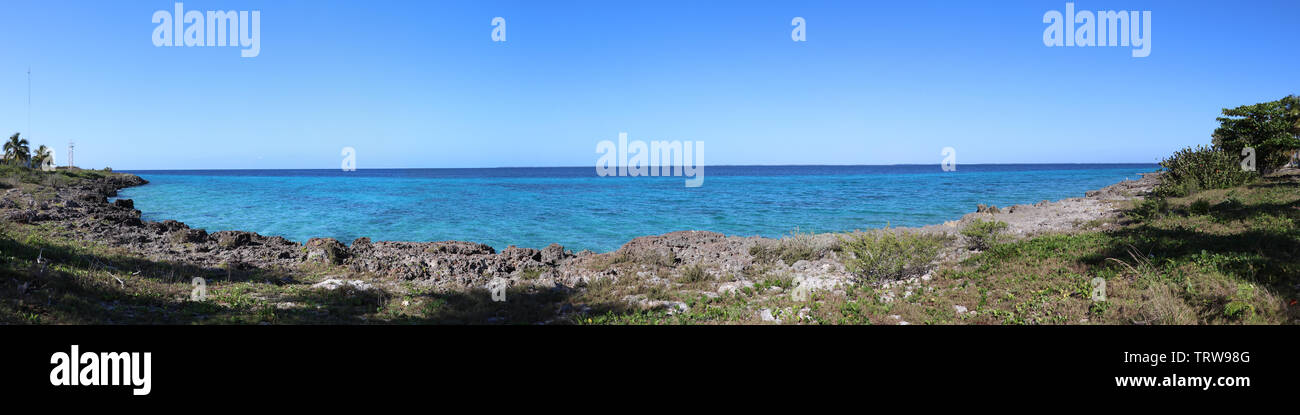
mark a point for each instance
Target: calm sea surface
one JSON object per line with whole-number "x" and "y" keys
{"x": 533, "y": 207}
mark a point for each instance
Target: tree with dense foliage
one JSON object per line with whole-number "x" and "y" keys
{"x": 41, "y": 156}
{"x": 17, "y": 150}
{"x": 1271, "y": 128}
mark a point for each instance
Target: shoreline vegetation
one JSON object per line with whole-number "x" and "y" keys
{"x": 1200, "y": 242}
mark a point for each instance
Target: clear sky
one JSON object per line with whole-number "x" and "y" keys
{"x": 422, "y": 84}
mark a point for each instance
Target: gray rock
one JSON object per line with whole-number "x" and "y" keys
{"x": 327, "y": 250}
{"x": 233, "y": 239}
{"x": 187, "y": 235}
{"x": 521, "y": 254}
{"x": 553, "y": 254}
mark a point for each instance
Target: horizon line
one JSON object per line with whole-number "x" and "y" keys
{"x": 658, "y": 166}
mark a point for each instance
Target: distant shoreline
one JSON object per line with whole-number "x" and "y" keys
{"x": 722, "y": 166}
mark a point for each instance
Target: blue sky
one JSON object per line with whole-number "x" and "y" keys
{"x": 421, "y": 84}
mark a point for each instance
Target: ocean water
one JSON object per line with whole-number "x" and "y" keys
{"x": 572, "y": 206}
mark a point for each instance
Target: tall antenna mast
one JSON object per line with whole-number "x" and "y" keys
{"x": 29, "y": 101}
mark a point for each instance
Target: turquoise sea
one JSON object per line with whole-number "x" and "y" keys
{"x": 533, "y": 207}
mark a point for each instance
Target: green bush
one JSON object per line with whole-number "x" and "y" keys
{"x": 888, "y": 254}
{"x": 1199, "y": 207}
{"x": 1191, "y": 170}
{"x": 983, "y": 235}
{"x": 1149, "y": 208}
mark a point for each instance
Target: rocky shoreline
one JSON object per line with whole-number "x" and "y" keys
{"x": 82, "y": 211}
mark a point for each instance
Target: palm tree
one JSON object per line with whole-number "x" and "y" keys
{"x": 41, "y": 156}
{"x": 1291, "y": 106}
{"x": 17, "y": 150}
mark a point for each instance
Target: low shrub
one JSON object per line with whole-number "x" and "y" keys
{"x": 1191, "y": 170}
{"x": 1149, "y": 208}
{"x": 889, "y": 254}
{"x": 793, "y": 248}
{"x": 983, "y": 235}
{"x": 694, "y": 273}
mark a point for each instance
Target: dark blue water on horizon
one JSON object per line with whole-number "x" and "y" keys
{"x": 535, "y": 206}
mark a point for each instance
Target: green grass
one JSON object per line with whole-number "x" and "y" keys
{"x": 1149, "y": 208}
{"x": 1215, "y": 256}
